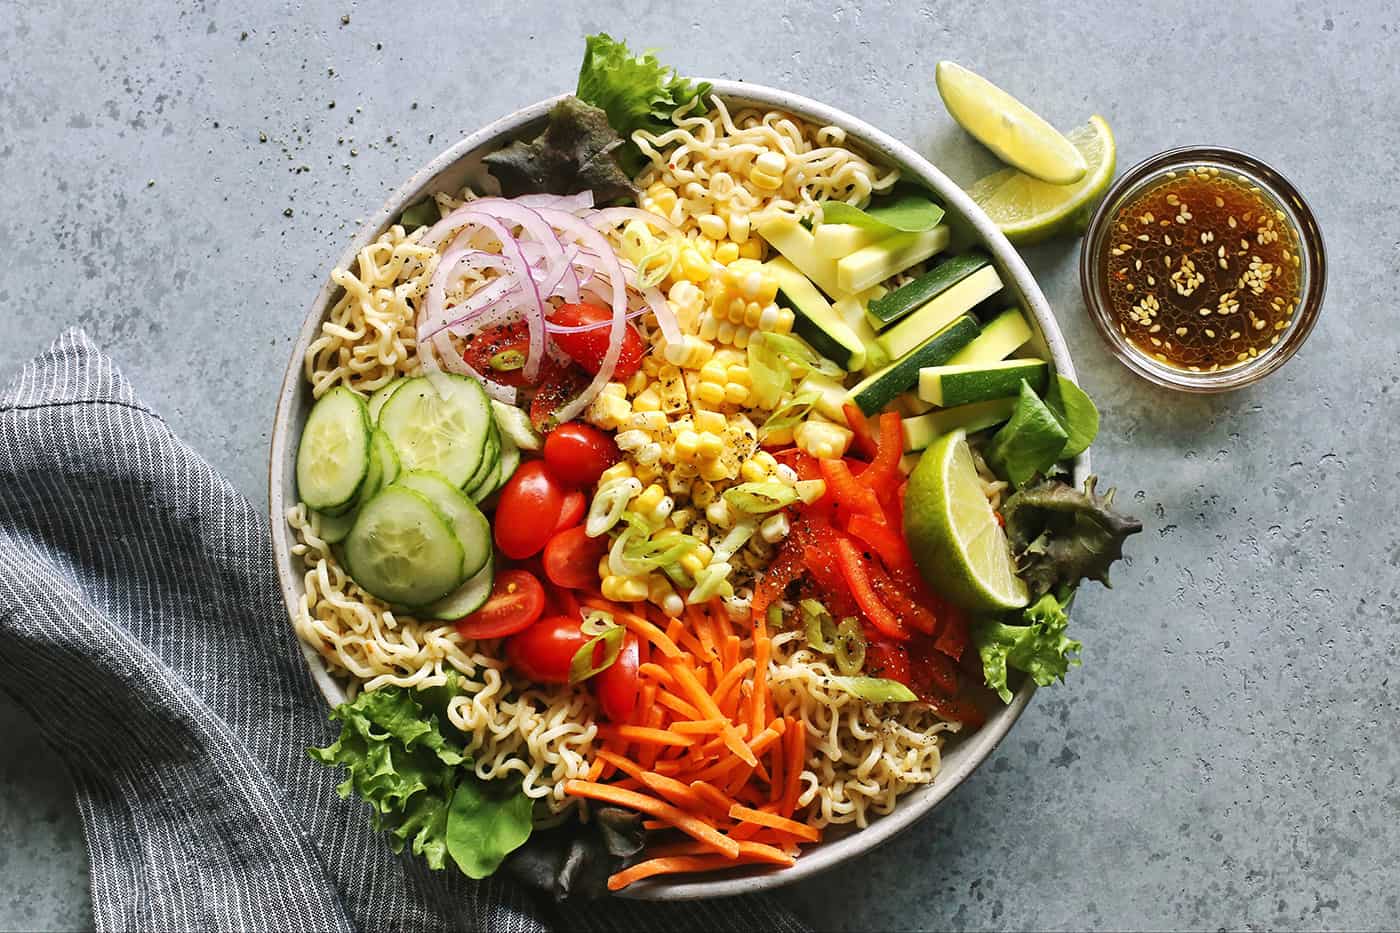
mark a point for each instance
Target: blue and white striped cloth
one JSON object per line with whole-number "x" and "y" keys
{"x": 142, "y": 628}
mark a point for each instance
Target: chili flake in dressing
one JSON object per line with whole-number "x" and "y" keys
{"x": 1203, "y": 270}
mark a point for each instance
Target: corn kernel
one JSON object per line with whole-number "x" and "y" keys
{"x": 735, "y": 393}
{"x": 717, "y": 514}
{"x": 775, "y": 528}
{"x": 679, "y": 484}
{"x": 787, "y": 474}
{"x": 710, "y": 422}
{"x": 681, "y": 518}
{"x": 752, "y": 248}
{"x": 822, "y": 439}
{"x": 604, "y": 568}
{"x": 725, "y": 332}
{"x": 608, "y": 411}
{"x": 649, "y": 453}
{"x": 738, "y": 227}
{"x": 727, "y": 252}
{"x": 702, "y": 494}
{"x": 631, "y": 439}
{"x": 648, "y": 498}
{"x": 770, "y": 462}
{"x": 709, "y": 446}
{"x": 648, "y": 472}
{"x": 765, "y": 181}
{"x": 711, "y": 393}
{"x": 691, "y": 353}
{"x": 706, "y": 247}
{"x": 767, "y": 318}
{"x": 695, "y": 191}
{"x": 753, "y": 313}
{"x": 708, "y": 327}
{"x": 712, "y": 226}
{"x": 773, "y": 162}
{"x": 693, "y": 563}
{"x": 742, "y": 336}
{"x": 628, "y": 589}
{"x": 637, "y": 382}
{"x": 647, "y": 400}
{"x": 672, "y": 606}
{"x": 738, "y": 372}
{"x": 715, "y": 469}
{"x": 784, "y": 322}
{"x": 700, "y": 531}
{"x": 687, "y": 446}
{"x": 753, "y": 471}
{"x": 693, "y": 265}
{"x": 620, "y": 470}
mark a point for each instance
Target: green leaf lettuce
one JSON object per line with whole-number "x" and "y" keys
{"x": 1039, "y": 646}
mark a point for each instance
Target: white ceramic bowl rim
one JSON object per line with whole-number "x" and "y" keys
{"x": 967, "y": 753}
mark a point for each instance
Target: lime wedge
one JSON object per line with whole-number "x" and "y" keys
{"x": 1029, "y": 211}
{"x": 958, "y": 543}
{"x": 1019, "y": 137}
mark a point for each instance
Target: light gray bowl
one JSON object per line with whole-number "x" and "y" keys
{"x": 460, "y": 165}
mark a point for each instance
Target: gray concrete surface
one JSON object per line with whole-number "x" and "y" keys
{"x": 1227, "y": 755}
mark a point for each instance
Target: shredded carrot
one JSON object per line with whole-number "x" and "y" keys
{"x": 731, "y": 680}
{"x": 682, "y": 864}
{"x": 674, "y": 629}
{"x": 720, "y": 613}
{"x": 639, "y": 626}
{"x": 659, "y": 674}
{"x": 774, "y": 821}
{"x": 713, "y": 796}
{"x": 758, "y": 702}
{"x": 699, "y": 726}
{"x": 652, "y": 807}
{"x": 776, "y": 762}
{"x": 644, "y": 735}
{"x": 676, "y": 705}
{"x": 796, "y": 747}
{"x": 595, "y": 770}
{"x": 731, "y": 651}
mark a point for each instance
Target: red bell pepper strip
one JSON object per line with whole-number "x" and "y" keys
{"x": 884, "y": 468}
{"x": 786, "y": 567}
{"x": 863, "y": 440}
{"x": 847, "y": 491}
{"x": 888, "y": 542}
{"x": 900, "y": 601}
{"x": 854, "y": 571}
{"x": 952, "y": 637}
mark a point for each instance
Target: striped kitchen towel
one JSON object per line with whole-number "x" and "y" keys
{"x": 142, "y": 628}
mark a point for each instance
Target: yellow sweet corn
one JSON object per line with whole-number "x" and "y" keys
{"x": 736, "y": 394}
{"x": 663, "y": 199}
{"x": 692, "y": 265}
{"x": 637, "y": 382}
{"x": 717, "y": 469}
{"x": 752, "y": 248}
{"x": 620, "y": 470}
{"x": 710, "y": 422}
{"x": 753, "y": 471}
{"x": 687, "y": 301}
{"x": 686, "y": 447}
{"x": 822, "y": 439}
{"x": 702, "y": 493}
{"x": 608, "y": 411}
{"x": 742, "y": 335}
{"x": 671, "y": 389}
{"x": 624, "y": 589}
{"x": 649, "y": 399}
{"x": 691, "y": 353}
{"x": 712, "y": 226}
{"x": 708, "y": 446}
{"x": 679, "y": 483}
{"x": 711, "y": 393}
{"x": 727, "y": 252}
{"x": 648, "y": 472}
{"x": 738, "y": 224}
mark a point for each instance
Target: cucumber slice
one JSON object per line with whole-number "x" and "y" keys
{"x": 488, "y": 461}
{"x": 332, "y": 529}
{"x": 468, "y": 524}
{"x": 515, "y": 424}
{"x": 466, "y": 599}
{"x": 510, "y": 459}
{"x": 381, "y": 395}
{"x": 403, "y": 550}
{"x": 333, "y": 455}
{"x": 383, "y": 448}
{"x": 439, "y": 422}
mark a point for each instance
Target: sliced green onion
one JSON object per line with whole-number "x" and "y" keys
{"x": 653, "y": 268}
{"x": 788, "y": 415}
{"x": 797, "y": 351}
{"x": 809, "y": 490}
{"x": 769, "y": 376}
{"x": 850, "y": 646}
{"x": 507, "y": 361}
{"x": 582, "y": 667}
{"x": 709, "y": 581}
{"x": 608, "y": 504}
{"x": 775, "y": 616}
{"x": 635, "y": 552}
{"x": 596, "y": 622}
{"x": 759, "y": 498}
{"x": 818, "y": 626}
{"x": 875, "y": 689}
{"x": 678, "y": 576}
{"x": 737, "y": 537}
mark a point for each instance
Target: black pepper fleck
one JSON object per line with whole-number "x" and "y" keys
{"x": 345, "y": 20}
{"x": 287, "y": 212}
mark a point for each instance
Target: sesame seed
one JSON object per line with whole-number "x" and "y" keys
{"x": 1219, "y": 202}
{"x": 1181, "y": 332}
{"x": 1209, "y": 332}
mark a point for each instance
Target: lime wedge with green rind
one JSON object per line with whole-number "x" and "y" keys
{"x": 1028, "y": 210}
{"x": 958, "y": 544}
{"x": 1018, "y": 135}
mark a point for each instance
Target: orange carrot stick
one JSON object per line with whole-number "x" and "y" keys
{"x": 676, "y": 705}
{"x": 731, "y": 679}
{"x": 645, "y": 735}
{"x": 758, "y": 702}
{"x": 699, "y": 726}
{"x": 796, "y": 747}
{"x": 655, "y": 808}
{"x": 731, "y": 651}
{"x": 639, "y": 626}
{"x": 774, "y": 821}
{"x": 713, "y": 796}
{"x": 682, "y": 864}
{"x": 659, "y": 674}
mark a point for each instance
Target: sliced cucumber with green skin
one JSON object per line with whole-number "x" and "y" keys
{"x": 510, "y": 460}
{"x": 333, "y": 456}
{"x": 488, "y": 461}
{"x": 388, "y": 457}
{"x": 466, "y": 599}
{"x": 403, "y": 549}
{"x": 381, "y": 395}
{"x": 333, "y": 528}
{"x": 439, "y": 422}
{"x": 472, "y": 529}
{"x": 515, "y": 424}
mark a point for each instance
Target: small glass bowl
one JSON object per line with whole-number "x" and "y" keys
{"x": 1313, "y": 268}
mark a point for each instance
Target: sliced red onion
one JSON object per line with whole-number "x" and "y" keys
{"x": 588, "y": 237}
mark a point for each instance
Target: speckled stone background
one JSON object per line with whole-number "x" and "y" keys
{"x": 177, "y": 179}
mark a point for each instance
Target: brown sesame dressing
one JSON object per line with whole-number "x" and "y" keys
{"x": 1230, "y": 259}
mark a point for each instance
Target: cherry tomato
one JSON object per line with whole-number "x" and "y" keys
{"x": 528, "y": 510}
{"x": 559, "y": 385}
{"x": 579, "y": 453}
{"x": 575, "y": 504}
{"x": 571, "y": 558}
{"x": 499, "y": 352}
{"x": 544, "y": 651}
{"x": 586, "y": 348}
{"x": 616, "y": 686}
{"x": 516, "y": 603}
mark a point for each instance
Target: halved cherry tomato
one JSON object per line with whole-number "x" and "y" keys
{"x": 499, "y": 352}
{"x": 579, "y": 453}
{"x": 560, "y": 383}
{"x": 586, "y": 348}
{"x": 616, "y": 686}
{"x": 544, "y": 651}
{"x": 529, "y": 508}
{"x": 575, "y": 504}
{"x": 516, "y": 603}
{"x": 571, "y": 558}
